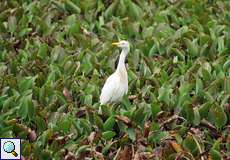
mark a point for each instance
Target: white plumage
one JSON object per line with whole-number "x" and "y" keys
{"x": 117, "y": 84}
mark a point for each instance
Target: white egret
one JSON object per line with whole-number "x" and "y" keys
{"x": 117, "y": 84}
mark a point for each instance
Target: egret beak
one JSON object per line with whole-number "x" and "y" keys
{"x": 115, "y": 43}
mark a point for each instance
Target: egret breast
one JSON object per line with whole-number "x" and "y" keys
{"x": 122, "y": 87}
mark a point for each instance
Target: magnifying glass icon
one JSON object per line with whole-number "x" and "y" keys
{"x": 9, "y": 147}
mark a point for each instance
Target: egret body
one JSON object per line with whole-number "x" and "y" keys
{"x": 117, "y": 84}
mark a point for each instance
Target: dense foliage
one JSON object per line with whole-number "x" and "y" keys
{"x": 56, "y": 54}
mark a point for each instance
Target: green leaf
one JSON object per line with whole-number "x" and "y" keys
{"x": 152, "y": 51}
{"x": 42, "y": 52}
{"x": 59, "y": 5}
{"x": 139, "y": 115}
{"x": 71, "y": 20}
{"x": 179, "y": 53}
{"x": 208, "y": 97}
{"x": 183, "y": 100}
{"x": 82, "y": 148}
{"x": 106, "y": 110}
{"x": 164, "y": 94}
{"x": 226, "y": 65}
{"x": 215, "y": 154}
{"x": 216, "y": 145}
{"x": 220, "y": 116}
{"x": 24, "y": 31}
{"x": 2, "y": 27}
{"x": 26, "y": 83}
{"x": 221, "y": 48}
{"x": 74, "y": 25}
{"x": 196, "y": 120}
{"x": 131, "y": 134}
{"x": 185, "y": 88}
{"x": 106, "y": 148}
{"x": 41, "y": 124}
{"x": 57, "y": 54}
{"x": 64, "y": 124}
{"x": 109, "y": 123}
{"x": 31, "y": 110}
{"x": 156, "y": 137}
{"x": 42, "y": 26}
{"x": 204, "y": 109}
{"x": 110, "y": 10}
{"x": 206, "y": 74}
{"x": 87, "y": 66}
{"x": 85, "y": 124}
{"x": 189, "y": 113}
{"x": 126, "y": 102}
{"x": 72, "y": 7}
{"x": 199, "y": 86}
{"x": 227, "y": 85}
{"x": 155, "y": 109}
{"x": 98, "y": 121}
{"x": 24, "y": 106}
{"x": 122, "y": 9}
{"x": 8, "y": 103}
{"x": 134, "y": 10}
{"x": 180, "y": 32}
{"x": 12, "y": 24}
{"x": 147, "y": 32}
{"x": 108, "y": 135}
{"x": 88, "y": 99}
{"x": 190, "y": 144}
{"x": 192, "y": 47}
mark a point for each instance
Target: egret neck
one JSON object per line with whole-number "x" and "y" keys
{"x": 121, "y": 63}
{"x": 121, "y": 70}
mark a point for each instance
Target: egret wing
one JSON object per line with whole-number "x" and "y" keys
{"x": 109, "y": 88}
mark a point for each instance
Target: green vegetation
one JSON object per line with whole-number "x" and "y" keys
{"x": 56, "y": 54}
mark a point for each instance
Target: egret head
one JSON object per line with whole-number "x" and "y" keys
{"x": 122, "y": 44}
